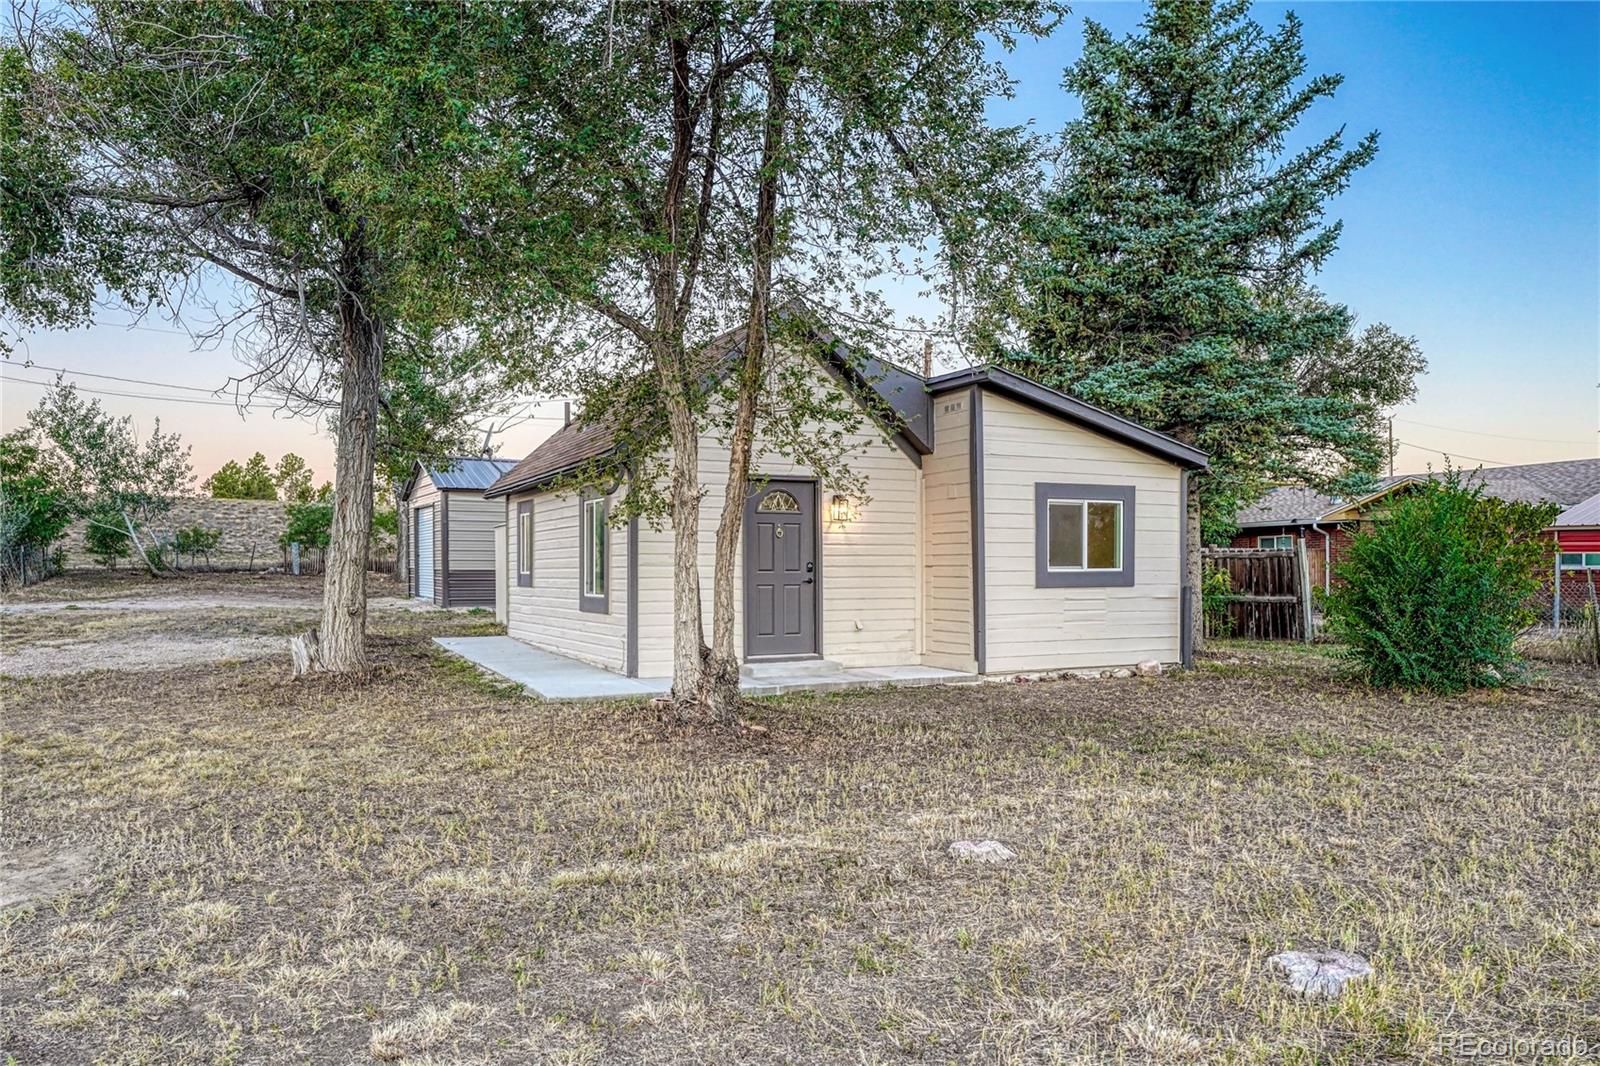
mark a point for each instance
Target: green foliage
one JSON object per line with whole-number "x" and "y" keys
{"x": 105, "y": 540}
{"x": 195, "y": 540}
{"x": 1216, "y": 588}
{"x": 34, "y": 507}
{"x": 309, "y": 525}
{"x": 252, "y": 481}
{"x": 1168, "y": 273}
{"x": 1434, "y": 593}
{"x": 104, "y": 471}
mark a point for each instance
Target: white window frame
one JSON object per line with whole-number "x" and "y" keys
{"x": 1084, "y": 526}
{"x": 1586, "y": 561}
{"x": 593, "y": 509}
{"x": 525, "y": 541}
{"x": 1275, "y": 538}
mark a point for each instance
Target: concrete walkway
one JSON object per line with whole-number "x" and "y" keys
{"x": 556, "y": 677}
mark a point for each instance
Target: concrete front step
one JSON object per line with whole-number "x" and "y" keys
{"x": 790, "y": 668}
{"x": 775, "y": 683}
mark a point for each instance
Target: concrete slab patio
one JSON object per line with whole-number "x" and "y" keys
{"x": 556, "y": 677}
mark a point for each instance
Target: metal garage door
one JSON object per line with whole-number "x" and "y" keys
{"x": 425, "y": 553}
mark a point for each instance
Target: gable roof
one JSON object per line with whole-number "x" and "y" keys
{"x": 1579, "y": 515}
{"x": 909, "y": 395}
{"x": 1053, "y": 401}
{"x": 1567, "y": 482}
{"x": 459, "y": 472}
{"x": 577, "y": 443}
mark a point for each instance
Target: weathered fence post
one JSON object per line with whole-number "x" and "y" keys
{"x": 1303, "y": 575}
{"x": 294, "y": 558}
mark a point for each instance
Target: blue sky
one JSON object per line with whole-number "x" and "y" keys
{"x": 1477, "y": 229}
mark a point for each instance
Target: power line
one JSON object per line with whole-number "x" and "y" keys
{"x": 1480, "y": 433}
{"x": 113, "y": 377}
{"x": 129, "y": 395}
{"x": 1455, "y": 455}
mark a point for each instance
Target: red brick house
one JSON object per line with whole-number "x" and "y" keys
{"x": 1327, "y": 523}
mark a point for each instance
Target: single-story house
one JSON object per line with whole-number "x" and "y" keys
{"x": 1328, "y": 523}
{"x": 449, "y": 530}
{"x": 1007, "y": 529}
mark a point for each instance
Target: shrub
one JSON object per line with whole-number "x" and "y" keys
{"x": 1434, "y": 593}
{"x": 105, "y": 541}
{"x": 195, "y": 540}
{"x": 1216, "y": 589}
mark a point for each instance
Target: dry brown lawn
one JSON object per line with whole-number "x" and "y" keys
{"x": 434, "y": 868}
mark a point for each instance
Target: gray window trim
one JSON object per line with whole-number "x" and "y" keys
{"x": 1043, "y": 576}
{"x": 524, "y": 577}
{"x": 593, "y": 604}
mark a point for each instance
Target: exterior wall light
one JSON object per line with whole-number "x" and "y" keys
{"x": 838, "y": 510}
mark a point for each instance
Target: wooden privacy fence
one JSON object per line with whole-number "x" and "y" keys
{"x": 1260, "y": 593}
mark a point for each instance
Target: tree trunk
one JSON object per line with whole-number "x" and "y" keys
{"x": 402, "y": 543}
{"x": 1197, "y": 627}
{"x": 720, "y": 685}
{"x": 133, "y": 538}
{"x": 339, "y": 645}
{"x": 688, "y": 636}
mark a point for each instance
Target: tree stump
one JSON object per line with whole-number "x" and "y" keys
{"x": 305, "y": 652}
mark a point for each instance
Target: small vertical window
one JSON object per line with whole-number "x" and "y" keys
{"x": 525, "y": 543}
{"x": 594, "y": 575}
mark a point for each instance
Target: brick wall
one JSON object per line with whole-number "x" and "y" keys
{"x": 250, "y": 531}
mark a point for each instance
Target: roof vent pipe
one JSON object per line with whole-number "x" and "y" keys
{"x": 927, "y": 357}
{"x": 566, "y": 413}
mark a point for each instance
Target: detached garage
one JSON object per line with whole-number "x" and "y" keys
{"x": 450, "y": 531}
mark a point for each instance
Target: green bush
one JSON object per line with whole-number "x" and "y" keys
{"x": 1216, "y": 590}
{"x": 105, "y": 541}
{"x": 195, "y": 540}
{"x": 1434, "y": 593}
{"x": 309, "y": 524}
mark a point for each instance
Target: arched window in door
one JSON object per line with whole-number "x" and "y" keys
{"x": 778, "y": 502}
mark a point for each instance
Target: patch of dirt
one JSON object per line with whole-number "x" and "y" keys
{"x": 39, "y": 872}
{"x": 153, "y": 652}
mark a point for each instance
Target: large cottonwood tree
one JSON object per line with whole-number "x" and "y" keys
{"x": 747, "y": 155}
{"x": 326, "y": 159}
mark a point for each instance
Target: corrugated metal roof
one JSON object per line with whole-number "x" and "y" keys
{"x": 468, "y": 472}
{"x": 1578, "y": 515}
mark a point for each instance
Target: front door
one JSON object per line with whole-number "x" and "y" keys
{"x": 780, "y": 570}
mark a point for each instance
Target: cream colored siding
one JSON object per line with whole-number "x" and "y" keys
{"x": 947, "y": 551}
{"x": 868, "y": 564}
{"x": 546, "y": 614}
{"x": 424, "y": 494}
{"x": 472, "y": 522}
{"x": 1030, "y": 628}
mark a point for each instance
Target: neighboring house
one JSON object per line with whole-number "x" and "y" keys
{"x": 1009, "y": 529}
{"x": 1577, "y": 532}
{"x": 449, "y": 541}
{"x": 1327, "y": 523}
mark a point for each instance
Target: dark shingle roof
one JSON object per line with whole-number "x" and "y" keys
{"x": 1567, "y": 482}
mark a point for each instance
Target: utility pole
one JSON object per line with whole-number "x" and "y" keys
{"x": 1391, "y": 446}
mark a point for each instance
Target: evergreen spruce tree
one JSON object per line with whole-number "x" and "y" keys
{"x": 1169, "y": 279}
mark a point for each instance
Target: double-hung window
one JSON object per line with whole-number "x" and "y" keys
{"x": 594, "y": 573}
{"x": 1083, "y": 535}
